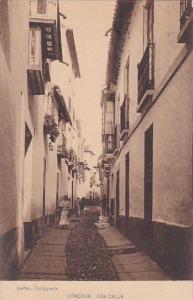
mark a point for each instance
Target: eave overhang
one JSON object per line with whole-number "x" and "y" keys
{"x": 121, "y": 19}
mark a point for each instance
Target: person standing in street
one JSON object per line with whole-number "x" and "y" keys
{"x": 82, "y": 205}
{"x": 77, "y": 206}
{"x": 64, "y": 218}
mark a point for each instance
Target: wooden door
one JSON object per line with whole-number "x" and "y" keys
{"x": 148, "y": 178}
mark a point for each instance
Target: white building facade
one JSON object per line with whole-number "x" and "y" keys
{"x": 39, "y": 133}
{"x": 147, "y": 153}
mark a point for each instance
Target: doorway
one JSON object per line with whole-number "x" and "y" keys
{"x": 117, "y": 198}
{"x": 72, "y": 193}
{"x": 44, "y": 187}
{"x": 127, "y": 187}
{"x": 148, "y": 178}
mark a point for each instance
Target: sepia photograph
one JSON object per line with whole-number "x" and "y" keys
{"x": 96, "y": 143}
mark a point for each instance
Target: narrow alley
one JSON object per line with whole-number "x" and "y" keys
{"x": 82, "y": 252}
{"x": 96, "y": 155}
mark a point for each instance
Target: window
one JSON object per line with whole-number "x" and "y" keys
{"x": 146, "y": 65}
{"x": 185, "y": 10}
{"x": 28, "y": 137}
{"x": 126, "y": 84}
{"x": 125, "y": 114}
{"x": 41, "y": 6}
{"x": 150, "y": 21}
{"x": 186, "y": 21}
{"x": 34, "y": 46}
{"x": 109, "y": 117}
{"x": 148, "y": 18}
{"x": 109, "y": 143}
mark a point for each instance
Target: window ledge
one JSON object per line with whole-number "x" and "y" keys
{"x": 146, "y": 101}
{"x": 124, "y": 133}
{"x": 108, "y": 155}
{"x": 116, "y": 151}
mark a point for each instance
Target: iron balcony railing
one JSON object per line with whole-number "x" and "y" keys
{"x": 109, "y": 143}
{"x": 108, "y": 130}
{"x": 108, "y": 127}
{"x": 186, "y": 7}
{"x": 72, "y": 156}
{"x": 125, "y": 114}
{"x": 146, "y": 71}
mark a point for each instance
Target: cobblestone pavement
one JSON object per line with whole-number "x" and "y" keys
{"x": 82, "y": 252}
{"x": 87, "y": 256}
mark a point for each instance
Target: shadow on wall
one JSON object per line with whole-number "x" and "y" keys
{"x": 5, "y": 30}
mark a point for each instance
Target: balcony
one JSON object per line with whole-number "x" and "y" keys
{"x": 44, "y": 14}
{"x": 146, "y": 78}
{"x": 116, "y": 140}
{"x": 106, "y": 169}
{"x": 125, "y": 118}
{"x": 61, "y": 149}
{"x": 108, "y": 127}
{"x": 35, "y": 65}
{"x": 186, "y": 21}
{"x": 109, "y": 146}
{"x": 72, "y": 159}
{"x": 107, "y": 131}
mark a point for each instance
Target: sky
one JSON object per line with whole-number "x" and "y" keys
{"x": 90, "y": 20}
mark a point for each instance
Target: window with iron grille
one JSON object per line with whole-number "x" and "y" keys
{"x": 125, "y": 114}
{"x": 148, "y": 23}
{"x": 146, "y": 71}
{"x": 35, "y": 46}
{"x": 126, "y": 83}
{"x": 109, "y": 143}
{"x": 150, "y": 20}
{"x": 146, "y": 66}
{"x": 108, "y": 118}
{"x": 186, "y": 7}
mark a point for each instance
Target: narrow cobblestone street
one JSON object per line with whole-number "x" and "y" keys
{"x": 82, "y": 252}
{"x": 87, "y": 256}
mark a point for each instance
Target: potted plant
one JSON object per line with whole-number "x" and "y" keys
{"x": 50, "y": 127}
